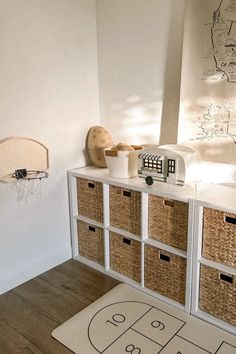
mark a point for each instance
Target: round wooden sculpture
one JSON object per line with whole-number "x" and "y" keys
{"x": 97, "y": 140}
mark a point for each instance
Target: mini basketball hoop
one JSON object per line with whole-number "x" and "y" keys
{"x": 24, "y": 162}
{"x": 29, "y": 175}
{"x": 28, "y": 183}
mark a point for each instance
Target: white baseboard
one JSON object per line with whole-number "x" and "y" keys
{"x": 13, "y": 279}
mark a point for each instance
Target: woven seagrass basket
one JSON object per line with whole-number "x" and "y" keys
{"x": 219, "y": 236}
{"x": 125, "y": 256}
{"x": 165, "y": 273}
{"x": 90, "y": 199}
{"x": 218, "y": 294}
{"x": 168, "y": 221}
{"x": 91, "y": 242}
{"x": 125, "y": 209}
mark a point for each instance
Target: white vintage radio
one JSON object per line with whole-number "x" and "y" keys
{"x": 176, "y": 164}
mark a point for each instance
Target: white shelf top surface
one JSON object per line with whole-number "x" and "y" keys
{"x": 222, "y": 196}
{"x": 219, "y": 196}
{"x": 136, "y": 183}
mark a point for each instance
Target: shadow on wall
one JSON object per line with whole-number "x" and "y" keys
{"x": 219, "y": 150}
{"x": 171, "y": 99}
{"x": 141, "y": 123}
{"x": 137, "y": 54}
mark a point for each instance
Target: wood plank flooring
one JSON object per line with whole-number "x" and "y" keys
{"x": 30, "y": 312}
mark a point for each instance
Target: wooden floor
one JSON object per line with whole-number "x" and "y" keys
{"x": 30, "y": 312}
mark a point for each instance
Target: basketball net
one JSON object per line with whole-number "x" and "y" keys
{"x": 28, "y": 189}
{"x": 28, "y": 184}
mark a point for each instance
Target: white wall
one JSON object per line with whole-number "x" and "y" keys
{"x": 139, "y": 60}
{"x": 48, "y": 91}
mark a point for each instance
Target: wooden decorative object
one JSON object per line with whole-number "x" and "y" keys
{"x": 97, "y": 140}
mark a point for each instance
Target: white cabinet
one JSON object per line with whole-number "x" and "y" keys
{"x": 214, "y": 257}
{"x": 151, "y": 237}
{"x": 119, "y": 216}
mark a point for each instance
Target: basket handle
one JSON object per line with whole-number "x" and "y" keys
{"x": 230, "y": 220}
{"x": 126, "y": 194}
{"x": 165, "y": 258}
{"x": 168, "y": 202}
{"x": 226, "y": 278}
{"x": 92, "y": 228}
{"x": 91, "y": 185}
{"x": 127, "y": 241}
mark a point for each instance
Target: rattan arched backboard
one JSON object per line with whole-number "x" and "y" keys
{"x": 21, "y": 153}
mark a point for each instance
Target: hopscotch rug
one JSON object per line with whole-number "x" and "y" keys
{"x": 126, "y": 320}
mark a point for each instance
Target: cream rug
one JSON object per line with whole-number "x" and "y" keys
{"x": 126, "y": 320}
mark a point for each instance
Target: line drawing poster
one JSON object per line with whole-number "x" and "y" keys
{"x": 208, "y": 85}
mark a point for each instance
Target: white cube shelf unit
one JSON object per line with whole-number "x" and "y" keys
{"x": 168, "y": 254}
{"x": 149, "y": 258}
{"x": 214, "y": 257}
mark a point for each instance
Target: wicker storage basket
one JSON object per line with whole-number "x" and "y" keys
{"x": 168, "y": 221}
{"x": 91, "y": 242}
{"x": 165, "y": 273}
{"x": 90, "y": 199}
{"x": 125, "y": 209}
{"x": 219, "y": 236}
{"x": 125, "y": 256}
{"x": 218, "y": 294}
